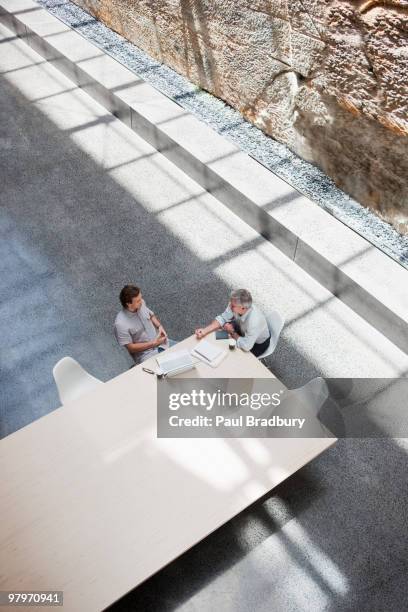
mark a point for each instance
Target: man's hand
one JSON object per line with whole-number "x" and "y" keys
{"x": 162, "y": 331}
{"x": 229, "y": 328}
{"x": 200, "y": 333}
{"x": 161, "y": 337}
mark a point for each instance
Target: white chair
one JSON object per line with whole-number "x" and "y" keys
{"x": 275, "y": 326}
{"x": 72, "y": 380}
{"x": 315, "y": 392}
{"x": 314, "y": 395}
{"x": 307, "y": 402}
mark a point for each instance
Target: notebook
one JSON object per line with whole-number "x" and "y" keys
{"x": 209, "y": 353}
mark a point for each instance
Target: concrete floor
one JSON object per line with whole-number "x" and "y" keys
{"x": 87, "y": 206}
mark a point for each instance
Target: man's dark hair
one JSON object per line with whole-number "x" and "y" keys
{"x": 127, "y": 294}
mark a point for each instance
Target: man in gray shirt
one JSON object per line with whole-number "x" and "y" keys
{"x": 137, "y": 327}
{"x": 243, "y": 321}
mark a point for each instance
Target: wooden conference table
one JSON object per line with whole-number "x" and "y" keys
{"x": 93, "y": 503}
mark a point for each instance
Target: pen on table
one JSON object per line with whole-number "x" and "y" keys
{"x": 148, "y": 371}
{"x": 158, "y": 374}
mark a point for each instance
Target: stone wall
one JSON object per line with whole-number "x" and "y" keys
{"x": 329, "y": 78}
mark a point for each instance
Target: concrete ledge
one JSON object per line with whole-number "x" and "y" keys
{"x": 364, "y": 278}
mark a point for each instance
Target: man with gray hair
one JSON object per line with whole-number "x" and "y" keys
{"x": 243, "y": 321}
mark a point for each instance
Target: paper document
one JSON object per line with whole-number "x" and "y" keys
{"x": 208, "y": 351}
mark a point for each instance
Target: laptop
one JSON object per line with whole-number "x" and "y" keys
{"x": 175, "y": 362}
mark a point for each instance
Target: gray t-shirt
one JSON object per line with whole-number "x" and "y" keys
{"x": 136, "y": 327}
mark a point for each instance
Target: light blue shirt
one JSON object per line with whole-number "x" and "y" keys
{"x": 252, "y": 324}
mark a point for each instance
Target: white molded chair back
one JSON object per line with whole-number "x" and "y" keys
{"x": 72, "y": 380}
{"x": 275, "y": 325}
{"x": 307, "y": 402}
{"x": 315, "y": 392}
{"x": 328, "y": 414}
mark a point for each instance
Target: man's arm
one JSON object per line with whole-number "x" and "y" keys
{"x": 138, "y": 347}
{"x": 246, "y": 342}
{"x": 203, "y": 331}
{"x": 155, "y": 321}
{"x": 158, "y": 325}
{"x": 218, "y": 322}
